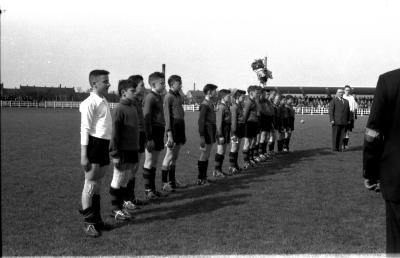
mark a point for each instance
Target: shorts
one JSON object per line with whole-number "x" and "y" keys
{"x": 266, "y": 123}
{"x": 290, "y": 123}
{"x": 98, "y": 151}
{"x": 349, "y": 127}
{"x": 142, "y": 142}
{"x": 178, "y": 132}
{"x": 158, "y": 137}
{"x": 226, "y": 133}
{"x": 240, "y": 130}
{"x": 251, "y": 129}
{"x": 131, "y": 157}
{"x": 210, "y": 133}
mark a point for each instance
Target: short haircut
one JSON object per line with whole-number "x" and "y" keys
{"x": 223, "y": 93}
{"x": 174, "y": 78}
{"x": 125, "y": 85}
{"x": 252, "y": 88}
{"x": 239, "y": 93}
{"x": 155, "y": 76}
{"x": 135, "y": 79}
{"x": 289, "y": 97}
{"x": 347, "y": 86}
{"x": 265, "y": 90}
{"x": 96, "y": 73}
{"x": 209, "y": 87}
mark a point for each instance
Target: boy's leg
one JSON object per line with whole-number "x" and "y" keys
{"x": 219, "y": 159}
{"x": 172, "y": 167}
{"x": 246, "y": 152}
{"x": 203, "y": 164}
{"x": 165, "y": 169}
{"x": 117, "y": 192}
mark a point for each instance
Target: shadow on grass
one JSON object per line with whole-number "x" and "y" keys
{"x": 233, "y": 183}
{"x": 192, "y": 208}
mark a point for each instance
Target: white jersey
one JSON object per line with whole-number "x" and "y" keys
{"x": 352, "y": 102}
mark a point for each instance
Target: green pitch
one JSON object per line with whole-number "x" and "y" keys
{"x": 308, "y": 201}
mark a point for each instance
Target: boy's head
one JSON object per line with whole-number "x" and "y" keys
{"x": 289, "y": 99}
{"x": 265, "y": 93}
{"x": 175, "y": 83}
{"x": 224, "y": 95}
{"x": 126, "y": 89}
{"x": 157, "y": 82}
{"x": 99, "y": 81}
{"x": 210, "y": 90}
{"x": 238, "y": 95}
{"x": 254, "y": 91}
{"x": 138, "y": 83}
{"x": 347, "y": 90}
{"x": 283, "y": 100}
{"x": 277, "y": 98}
{"x": 272, "y": 94}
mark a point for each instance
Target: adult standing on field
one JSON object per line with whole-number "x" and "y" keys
{"x": 353, "y": 115}
{"x": 339, "y": 116}
{"x": 381, "y": 156}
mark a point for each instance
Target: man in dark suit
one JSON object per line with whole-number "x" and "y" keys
{"x": 381, "y": 155}
{"x": 339, "y": 116}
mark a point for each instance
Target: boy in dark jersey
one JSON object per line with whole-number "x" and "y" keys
{"x": 266, "y": 117}
{"x": 251, "y": 126}
{"x": 282, "y": 122}
{"x": 237, "y": 129}
{"x": 175, "y": 128}
{"x": 290, "y": 122}
{"x": 207, "y": 131}
{"x": 154, "y": 125}
{"x": 275, "y": 99}
{"x": 223, "y": 119}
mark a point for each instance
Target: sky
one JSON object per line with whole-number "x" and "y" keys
{"x": 308, "y": 43}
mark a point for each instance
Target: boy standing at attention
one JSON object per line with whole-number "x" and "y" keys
{"x": 237, "y": 129}
{"x": 154, "y": 125}
{"x": 223, "y": 119}
{"x": 124, "y": 151}
{"x": 175, "y": 128}
{"x": 207, "y": 131}
{"x": 251, "y": 125}
{"x": 290, "y": 122}
{"x": 96, "y": 127}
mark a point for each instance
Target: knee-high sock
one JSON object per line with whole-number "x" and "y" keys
{"x": 164, "y": 175}
{"x": 153, "y": 179}
{"x": 96, "y": 207}
{"x": 287, "y": 143}
{"x": 272, "y": 146}
{"x": 232, "y": 161}
{"x": 130, "y": 190}
{"x": 255, "y": 151}
{"x": 246, "y": 157}
{"x": 171, "y": 174}
{"x": 147, "y": 178}
{"x": 116, "y": 198}
{"x": 236, "y": 160}
{"x": 202, "y": 166}
{"x": 219, "y": 159}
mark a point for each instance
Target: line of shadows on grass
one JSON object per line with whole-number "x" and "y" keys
{"x": 241, "y": 181}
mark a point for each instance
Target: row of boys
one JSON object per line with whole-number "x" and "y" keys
{"x": 138, "y": 127}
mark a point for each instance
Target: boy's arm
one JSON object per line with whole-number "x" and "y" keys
{"x": 219, "y": 115}
{"x": 168, "y": 116}
{"x": 147, "y": 110}
{"x": 202, "y": 119}
{"x": 86, "y": 122}
{"x": 233, "y": 120}
{"x": 246, "y": 110}
{"x": 115, "y": 137}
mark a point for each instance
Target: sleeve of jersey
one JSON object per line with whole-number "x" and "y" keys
{"x": 373, "y": 138}
{"x": 202, "y": 119}
{"x": 147, "y": 110}
{"x": 233, "y": 120}
{"x": 219, "y": 115}
{"x": 167, "y": 112}
{"x": 115, "y": 138}
{"x": 246, "y": 110}
{"x": 87, "y": 111}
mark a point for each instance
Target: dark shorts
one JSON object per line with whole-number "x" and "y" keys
{"x": 129, "y": 157}
{"x": 240, "y": 130}
{"x": 178, "y": 132}
{"x": 226, "y": 133}
{"x": 210, "y": 133}
{"x": 266, "y": 123}
{"x": 350, "y": 126}
{"x": 142, "y": 142}
{"x": 251, "y": 129}
{"x": 158, "y": 137}
{"x": 291, "y": 123}
{"x": 98, "y": 151}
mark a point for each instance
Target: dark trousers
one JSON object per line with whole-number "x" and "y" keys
{"x": 392, "y": 227}
{"x": 337, "y": 137}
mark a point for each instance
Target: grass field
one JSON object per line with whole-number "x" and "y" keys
{"x": 308, "y": 201}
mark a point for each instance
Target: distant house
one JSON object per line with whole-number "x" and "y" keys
{"x": 48, "y": 93}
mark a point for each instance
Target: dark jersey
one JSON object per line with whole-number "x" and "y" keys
{"x": 207, "y": 116}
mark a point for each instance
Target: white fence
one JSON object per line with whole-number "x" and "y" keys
{"x": 195, "y": 107}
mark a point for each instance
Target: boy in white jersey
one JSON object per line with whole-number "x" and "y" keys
{"x": 96, "y": 127}
{"x": 353, "y": 115}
